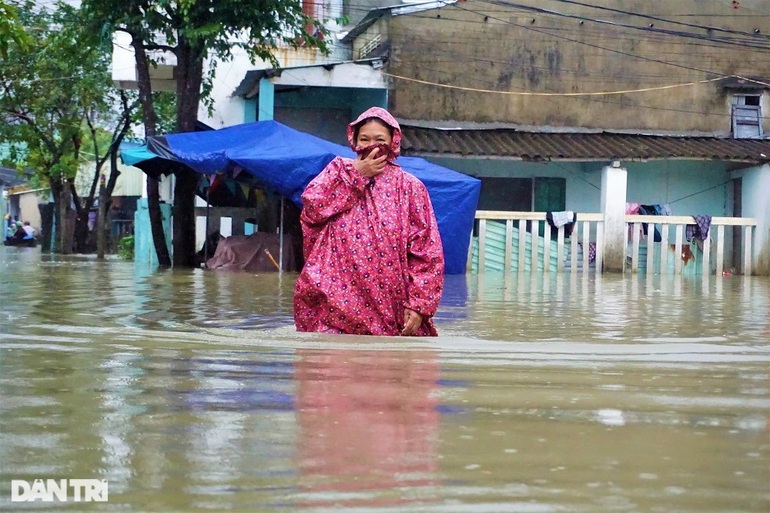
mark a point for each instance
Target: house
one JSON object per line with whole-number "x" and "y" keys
{"x": 552, "y": 102}
{"x": 310, "y": 91}
{"x": 130, "y": 186}
{"x": 18, "y": 200}
{"x": 556, "y": 105}
{"x": 8, "y": 179}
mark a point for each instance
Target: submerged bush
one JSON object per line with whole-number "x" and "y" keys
{"x": 126, "y": 247}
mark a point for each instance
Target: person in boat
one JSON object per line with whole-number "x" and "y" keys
{"x": 29, "y": 230}
{"x": 9, "y": 227}
{"x": 19, "y": 234}
{"x": 374, "y": 262}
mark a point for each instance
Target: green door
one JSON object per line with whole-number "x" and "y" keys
{"x": 550, "y": 196}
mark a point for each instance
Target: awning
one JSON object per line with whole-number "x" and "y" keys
{"x": 285, "y": 160}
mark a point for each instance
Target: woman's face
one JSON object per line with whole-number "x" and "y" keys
{"x": 373, "y": 132}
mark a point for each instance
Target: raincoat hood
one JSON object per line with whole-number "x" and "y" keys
{"x": 384, "y": 116}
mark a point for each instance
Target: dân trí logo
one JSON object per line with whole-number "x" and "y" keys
{"x": 59, "y": 490}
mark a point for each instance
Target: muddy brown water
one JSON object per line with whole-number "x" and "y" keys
{"x": 190, "y": 391}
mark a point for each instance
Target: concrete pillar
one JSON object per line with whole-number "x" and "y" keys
{"x": 614, "y": 184}
{"x": 2, "y": 211}
{"x": 250, "y": 110}
{"x": 756, "y": 183}
{"x": 266, "y": 100}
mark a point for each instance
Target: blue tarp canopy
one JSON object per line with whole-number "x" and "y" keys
{"x": 285, "y": 160}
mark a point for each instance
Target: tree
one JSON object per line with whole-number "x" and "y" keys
{"x": 11, "y": 29}
{"x": 121, "y": 122}
{"x": 193, "y": 31}
{"x": 106, "y": 146}
{"x": 48, "y": 88}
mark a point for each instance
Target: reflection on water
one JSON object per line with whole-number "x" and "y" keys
{"x": 190, "y": 391}
{"x": 368, "y": 425}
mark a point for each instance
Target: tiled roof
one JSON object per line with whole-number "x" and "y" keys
{"x": 543, "y": 146}
{"x": 9, "y": 176}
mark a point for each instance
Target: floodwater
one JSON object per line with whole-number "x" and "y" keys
{"x": 190, "y": 391}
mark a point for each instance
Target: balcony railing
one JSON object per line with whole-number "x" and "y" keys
{"x": 511, "y": 242}
{"x": 519, "y": 247}
{"x": 681, "y": 251}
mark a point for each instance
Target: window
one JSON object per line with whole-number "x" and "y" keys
{"x": 510, "y": 194}
{"x": 746, "y": 116}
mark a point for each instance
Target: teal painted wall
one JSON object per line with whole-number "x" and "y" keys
{"x": 144, "y": 248}
{"x": 321, "y": 111}
{"x": 250, "y": 110}
{"x": 355, "y": 100}
{"x": 583, "y": 180}
{"x": 266, "y": 100}
{"x": 689, "y": 187}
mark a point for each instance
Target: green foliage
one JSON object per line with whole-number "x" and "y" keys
{"x": 165, "y": 107}
{"x": 11, "y": 29}
{"x": 49, "y": 86}
{"x": 126, "y": 247}
{"x": 193, "y": 31}
{"x": 209, "y": 28}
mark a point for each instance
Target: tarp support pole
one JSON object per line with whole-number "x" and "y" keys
{"x": 206, "y": 235}
{"x": 280, "y": 242}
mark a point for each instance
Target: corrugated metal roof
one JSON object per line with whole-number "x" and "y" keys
{"x": 539, "y": 146}
{"x": 9, "y": 177}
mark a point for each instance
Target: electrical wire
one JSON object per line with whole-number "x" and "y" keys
{"x": 665, "y": 20}
{"x": 668, "y": 40}
{"x": 533, "y": 93}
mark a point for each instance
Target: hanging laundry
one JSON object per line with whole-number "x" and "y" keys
{"x": 591, "y": 251}
{"x": 632, "y": 209}
{"x": 650, "y": 210}
{"x": 699, "y": 230}
{"x": 567, "y": 219}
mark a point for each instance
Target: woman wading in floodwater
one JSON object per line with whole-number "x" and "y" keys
{"x": 374, "y": 263}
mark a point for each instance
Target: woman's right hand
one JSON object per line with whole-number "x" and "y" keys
{"x": 371, "y": 165}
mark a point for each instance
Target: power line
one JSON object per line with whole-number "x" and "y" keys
{"x": 600, "y": 99}
{"x": 657, "y": 18}
{"x": 590, "y": 45}
{"x": 746, "y": 43}
{"x": 459, "y": 55}
{"x": 533, "y": 93}
{"x": 663, "y": 38}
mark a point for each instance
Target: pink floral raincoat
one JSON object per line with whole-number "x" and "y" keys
{"x": 372, "y": 248}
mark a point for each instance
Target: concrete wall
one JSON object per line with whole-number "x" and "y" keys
{"x": 231, "y": 110}
{"x": 380, "y": 27}
{"x": 25, "y": 205}
{"x": 756, "y": 185}
{"x": 477, "y": 45}
{"x": 130, "y": 182}
{"x": 144, "y": 247}
{"x": 689, "y": 187}
{"x": 326, "y": 112}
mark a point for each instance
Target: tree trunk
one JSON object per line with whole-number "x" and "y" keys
{"x": 81, "y": 231}
{"x": 184, "y": 218}
{"x": 105, "y": 197}
{"x": 65, "y": 198}
{"x": 190, "y": 76}
{"x": 55, "y": 225}
{"x": 100, "y": 220}
{"x": 150, "y": 122}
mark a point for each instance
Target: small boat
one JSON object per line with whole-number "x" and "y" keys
{"x": 22, "y": 243}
